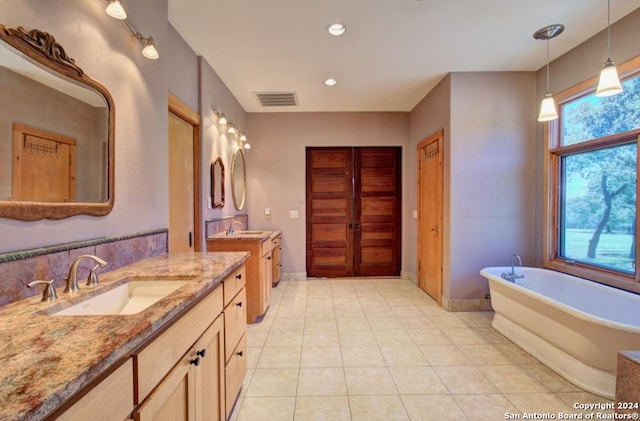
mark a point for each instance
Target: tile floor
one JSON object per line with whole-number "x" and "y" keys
{"x": 381, "y": 349}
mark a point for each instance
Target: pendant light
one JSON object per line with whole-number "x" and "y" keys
{"x": 548, "y": 110}
{"x": 609, "y": 83}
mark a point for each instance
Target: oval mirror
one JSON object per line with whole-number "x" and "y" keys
{"x": 217, "y": 183}
{"x": 238, "y": 179}
{"x": 56, "y": 132}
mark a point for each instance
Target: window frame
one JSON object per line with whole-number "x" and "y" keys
{"x": 553, "y": 154}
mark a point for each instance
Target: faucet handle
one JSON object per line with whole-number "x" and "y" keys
{"x": 49, "y": 292}
{"x": 92, "y": 279}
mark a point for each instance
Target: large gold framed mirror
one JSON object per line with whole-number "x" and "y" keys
{"x": 238, "y": 179}
{"x": 56, "y": 132}
{"x": 217, "y": 183}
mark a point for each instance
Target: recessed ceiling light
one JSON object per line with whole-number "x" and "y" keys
{"x": 330, "y": 82}
{"x": 336, "y": 29}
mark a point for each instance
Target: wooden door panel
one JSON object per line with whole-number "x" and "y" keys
{"x": 430, "y": 215}
{"x": 353, "y": 211}
{"x": 329, "y": 212}
{"x": 378, "y": 199}
{"x": 330, "y": 184}
{"x": 329, "y": 207}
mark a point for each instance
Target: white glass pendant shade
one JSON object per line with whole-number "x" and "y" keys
{"x": 115, "y": 10}
{"x": 149, "y": 50}
{"x": 609, "y": 83}
{"x": 548, "y": 110}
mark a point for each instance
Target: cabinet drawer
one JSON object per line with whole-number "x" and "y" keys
{"x": 233, "y": 283}
{"x": 235, "y": 371}
{"x": 153, "y": 362}
{"x": 235, "y": 322}
{"x": 111, "y": 399}
{"x": 276, "y": 241}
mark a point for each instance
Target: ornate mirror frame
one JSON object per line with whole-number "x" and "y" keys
{"x": 217, "y": 165}
{"x": 238, "y": 180}
{"x": 42, "y": 48}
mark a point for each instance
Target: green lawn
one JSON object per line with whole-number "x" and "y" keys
{"x": 613, "y": 248}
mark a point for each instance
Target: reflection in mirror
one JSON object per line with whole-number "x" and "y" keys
{"x": 238, "y": 179}
{"x": 56, "y": 132}
{"x": 217, "y": 183}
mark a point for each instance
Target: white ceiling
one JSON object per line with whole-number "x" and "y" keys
{"x": 393, "y": 53}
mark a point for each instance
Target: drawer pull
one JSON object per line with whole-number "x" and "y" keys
{"x": 195, "y": 361}
{"x": 202, "y": 353}
{"x": 239, "y": 304}
{"x": 239, "y": 276}
{"x": 239, "y": 353}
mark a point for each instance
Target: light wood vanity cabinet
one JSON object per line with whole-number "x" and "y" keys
{"x": 276, "y": 257}
{"x": 111, "y": 399}
{"x": 194, "y": 370}
{"x": 259, "y": 270}
{"x": 180, "y": 374}
{"x": 235, "y": 321}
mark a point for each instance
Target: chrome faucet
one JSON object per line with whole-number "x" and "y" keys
{"x": 512, "y": 276}
{"x": 232, "y": 228}
{"x": 72, "y": 278}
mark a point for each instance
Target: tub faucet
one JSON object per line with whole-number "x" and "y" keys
{"x": 512, "y": 276}
{"x": 72, "y": 278}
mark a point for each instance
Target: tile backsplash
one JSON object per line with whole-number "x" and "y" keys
{"x": 215, "y": 226}
{"x": 19, "y": 268}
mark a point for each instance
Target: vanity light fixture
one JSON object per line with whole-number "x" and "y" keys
{"x": 548, "y": 110}
{"x": 336, "y": 29}
{"x": 221, "y": 119}
{"x": 115, "y": 10}
{"x": 247, "y": 146}
{"x": 232, "y": 130}
{"x": 609, "y": 83}
{"x": 330, "y": 82}
{"x": 243, "y": 137}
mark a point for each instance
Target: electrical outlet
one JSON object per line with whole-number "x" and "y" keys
{"x": 293, "y": 214}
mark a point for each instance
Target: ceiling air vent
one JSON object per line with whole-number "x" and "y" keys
{"x": 277, "y": 99}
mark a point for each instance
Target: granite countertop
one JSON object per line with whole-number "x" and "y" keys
{"x": 262, "y": 235}
{"x": 46, "y": 359}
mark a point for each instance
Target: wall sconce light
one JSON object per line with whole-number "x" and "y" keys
{"x": 247, "y": 146}
{"x": 243, "y": 138}
{"x": 221, "y": 119}
{"x": 548, "y": 110}
{"x": 116, "y": 11}
{"x": 609, "y": 83}
{"x": 232, "y": 130}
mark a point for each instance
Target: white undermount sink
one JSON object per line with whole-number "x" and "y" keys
{"x": 129, "y": 298}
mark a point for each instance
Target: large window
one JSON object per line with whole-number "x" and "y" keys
{"x": 593, "y": 165}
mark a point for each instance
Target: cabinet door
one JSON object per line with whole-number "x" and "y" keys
{"x": 210, "y": 389}
{"x": 111, "y": 399}
{"x": 235, "y": 322}
{"x": 235, "y": 372}
{"x": 267, "y": 273}
{"x": 174, "y": 399}
{"x": 277, "y": 260}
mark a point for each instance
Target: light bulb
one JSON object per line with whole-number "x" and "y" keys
{"x": 149, "y": 50}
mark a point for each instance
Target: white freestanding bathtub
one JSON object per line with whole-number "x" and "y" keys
{"x": 574, "y": 326}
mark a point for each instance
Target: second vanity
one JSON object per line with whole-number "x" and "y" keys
{"x": 263, "y": 266}
{"x": 185, "y": 353}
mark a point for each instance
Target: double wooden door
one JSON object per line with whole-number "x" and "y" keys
{"x": 353, "y": 210}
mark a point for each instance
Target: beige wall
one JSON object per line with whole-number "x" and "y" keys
{"x": 215, "y": 96}
{"x": 276, "y": 165}
{"x": 105, "y": 50}
{"x": 489, "y": 124}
